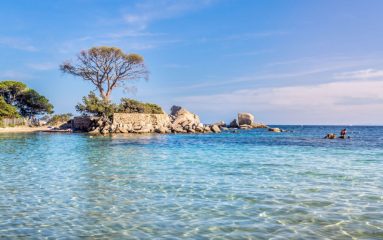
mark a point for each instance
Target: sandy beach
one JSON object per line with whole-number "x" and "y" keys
{"x": 22, "y": 129}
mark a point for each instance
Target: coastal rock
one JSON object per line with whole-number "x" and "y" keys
{"x": 275, "y": 130}
{"x": 220, "y": 124}
{"x": 206, "y": 129}
{"x": 183, "y": 121}
{"x": 215, "y": 129}
{"x": 259, "y": 125}
{"x": 330, "y": 136}
{"x": 234, "y": 124}
{"x": 161, "y": 130}
{"x": 245, "y": 119}
{"x": 245, "y": 126}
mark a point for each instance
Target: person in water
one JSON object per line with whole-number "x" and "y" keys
{"x": 343, "y": 133}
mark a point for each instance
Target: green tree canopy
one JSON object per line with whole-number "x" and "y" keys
{"x": 128, "y": 105}
{"x": 7, "y": 110}
{"x": 31, "y": 103}
{"x": 10, "y": 90}
{"x": 27, "y": 101}
{"x": 93, "y": 105}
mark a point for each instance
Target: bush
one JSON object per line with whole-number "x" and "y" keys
{"x": 26, "y": 101}
{"x": 60, "y": 118}
{"x": 128, "y": 105}
{"x": 7, "y": 110}
{"x": 93, "y": 105}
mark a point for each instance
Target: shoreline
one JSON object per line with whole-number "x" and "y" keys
{"x": 23, "y": 129}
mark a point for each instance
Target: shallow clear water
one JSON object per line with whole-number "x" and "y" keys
{"x": 253, "y": 184}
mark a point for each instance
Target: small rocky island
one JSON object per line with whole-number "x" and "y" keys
{"x": 180, "y": 120}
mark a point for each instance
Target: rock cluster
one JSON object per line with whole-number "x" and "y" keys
{"x": 245, "y": 121}
{"x": 183, "y": 121}
{"x": 180, "y": 120}
{"x": 275, "y": 130}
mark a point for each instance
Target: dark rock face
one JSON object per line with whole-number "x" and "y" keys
{"x": 174, "y": 109}
{"x": 234, "y": 124}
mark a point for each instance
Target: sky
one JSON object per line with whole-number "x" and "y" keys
{"x": 284, "y": 61}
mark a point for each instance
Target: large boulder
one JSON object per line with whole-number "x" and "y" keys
{"x": 275, "y": 130}
{"x": 220, "y": 124}
{"x": 245, "y": 119}
{"x": 215, "y": 128}
{"x": 183, "y": 121}
{"x": 330, "y": 136}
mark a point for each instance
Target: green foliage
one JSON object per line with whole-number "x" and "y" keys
{"x": 60, "y": 118}
{"x": 128, "y": 105}
{"x": 22, "y": 100}
{"x": 10, "y": 90}
{"x": 31, "y": 103}
{"x": 7, "y": 110}
{"x": 27, "y": 102}
{"x": 93, "y": 105}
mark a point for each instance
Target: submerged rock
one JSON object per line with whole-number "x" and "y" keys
{"x": 275, "y": 130}
{"x": 330, "y": 136}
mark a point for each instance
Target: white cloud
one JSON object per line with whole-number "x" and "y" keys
{"x": 17, "y": 43}
{"x": 337, "y": 102}
{"x": 145, "y": 12}
{"x": 42, "y": 66}
{"x": 14, "y": 75}
{"x": 361, "y": 74}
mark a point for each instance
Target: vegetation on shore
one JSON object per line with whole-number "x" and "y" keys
{"x": 96, "y": 106}
{"x": 108, "y": 68}
{"x": 58, "y": 119}
{"x": 17, "y": 100}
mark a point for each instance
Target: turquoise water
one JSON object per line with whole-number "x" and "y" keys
{"x": 249, "y": 185}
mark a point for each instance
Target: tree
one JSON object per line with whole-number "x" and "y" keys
{"x": 7, "y": 110}
{"x": 31, "y": 103}
{"x": 10, "y": 90}
{"x": 107, "y": 68}
{"x": 96, "y": 106}
{"x": 27, "y": 101}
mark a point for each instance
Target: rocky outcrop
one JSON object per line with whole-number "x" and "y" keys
{"x": 330, "y": 136}
{"x": 140, "y": 123}
{"x": 180, "y": 120}
{"x": 183, "y": 121}
{"x": 234, "y": 124}
{"x": 83, "y": 123}
{"x": 275, "y": 130}
{"x": 245, "y": 119}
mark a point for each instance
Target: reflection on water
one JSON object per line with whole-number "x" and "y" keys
{"x": 253, "y": 184}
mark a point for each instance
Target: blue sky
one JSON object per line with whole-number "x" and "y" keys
{"x": 287, "y": 62}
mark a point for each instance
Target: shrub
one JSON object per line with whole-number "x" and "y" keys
{"x": 128, "y": 105}
{"x": 7, "y": 110}
{"x": 93, "y": 105}
{"x": 27, "y": 101}
{"x": 60, "y": 118}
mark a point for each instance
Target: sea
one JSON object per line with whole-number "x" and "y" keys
{"x": 248, "y": 184}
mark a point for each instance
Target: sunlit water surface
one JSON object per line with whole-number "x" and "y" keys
{"x": 253, "y": 184}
